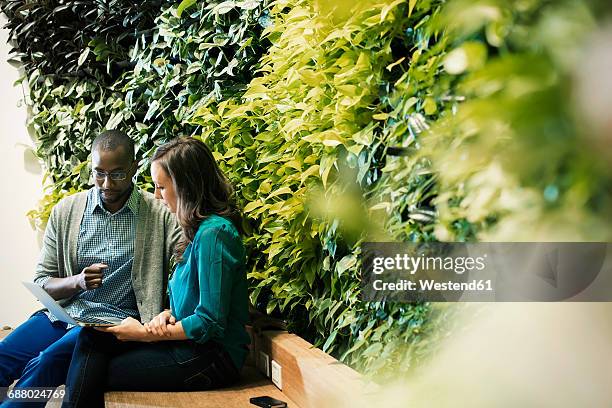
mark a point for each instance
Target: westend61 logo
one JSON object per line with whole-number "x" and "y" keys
{"x": 526, "y": 271}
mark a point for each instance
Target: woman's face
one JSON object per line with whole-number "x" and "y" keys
{"x": 164, "y": 188}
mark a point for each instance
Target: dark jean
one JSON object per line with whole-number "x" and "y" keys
{"x": 37, "y": 352}
{"x": 101, "y": 363}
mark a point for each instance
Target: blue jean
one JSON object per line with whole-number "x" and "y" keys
{"x": 38, "y": 352}
{"x": 101, "y": 362}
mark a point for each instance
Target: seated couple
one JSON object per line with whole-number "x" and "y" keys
{"x": 107, "y": 251}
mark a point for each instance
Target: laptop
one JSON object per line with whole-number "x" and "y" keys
{"x": 60, "y": 313}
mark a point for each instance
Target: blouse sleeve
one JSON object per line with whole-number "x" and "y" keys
{"x": 218, "y": 253}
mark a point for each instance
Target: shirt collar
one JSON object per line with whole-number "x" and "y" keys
{"x": 132, "y": 202}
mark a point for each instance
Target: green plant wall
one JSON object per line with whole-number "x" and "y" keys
{"x": 307, "y": 142}
{"x": 143, "y": 80}
{"x": 343, "y": 122}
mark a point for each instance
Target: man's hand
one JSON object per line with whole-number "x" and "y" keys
{"x": 130, "y": 329}
{"x": 159, "y": 324}
{"x": 91, "y": 276}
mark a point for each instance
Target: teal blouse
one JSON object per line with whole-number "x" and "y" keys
{"x": 208, "y": 289}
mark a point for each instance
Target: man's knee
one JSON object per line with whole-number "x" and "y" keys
{"x": 12, "y": 363}
{"x": 44, "y": 370}
{"x": 45, "y": 362}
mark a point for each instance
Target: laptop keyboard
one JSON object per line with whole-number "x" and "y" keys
{"x": 91, "y": 319}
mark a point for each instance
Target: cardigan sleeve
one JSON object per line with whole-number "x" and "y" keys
{"x": 47, "y": 266}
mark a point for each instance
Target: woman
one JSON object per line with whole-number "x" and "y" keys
{"x": 200, "y": 343}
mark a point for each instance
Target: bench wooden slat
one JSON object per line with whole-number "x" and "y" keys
{"x": 253, "y": 384}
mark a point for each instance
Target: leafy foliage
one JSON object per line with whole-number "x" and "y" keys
{"x": 379, "y": 120}
{"x": 56, "y": 37}
{"x": 522, "y": 159}
{"x": 178, "y": 63}
{"x": 306, "y": 142}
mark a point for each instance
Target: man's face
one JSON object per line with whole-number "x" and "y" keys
{"x": 113, "y": 162}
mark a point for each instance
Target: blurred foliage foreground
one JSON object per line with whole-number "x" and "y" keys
{"x": 342, "y": 122}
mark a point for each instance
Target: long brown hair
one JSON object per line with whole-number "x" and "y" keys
{"x": 201, "y": 187}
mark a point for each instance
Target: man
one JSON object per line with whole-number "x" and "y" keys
{"x": 106, "y": 252}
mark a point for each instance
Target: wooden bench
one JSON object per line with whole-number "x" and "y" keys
{"x": 309, "y": 378}
{"x": 253, "y": 384}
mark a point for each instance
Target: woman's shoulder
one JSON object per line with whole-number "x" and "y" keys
{"x": 215, "y": 225}
{"x": 214, "y": 220}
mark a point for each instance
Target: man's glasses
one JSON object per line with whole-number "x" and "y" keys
{"x": 115, "y": 175}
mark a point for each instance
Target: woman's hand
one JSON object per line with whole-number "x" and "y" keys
{"x": 159, "y": 324}
{"x": 130, "y": 329}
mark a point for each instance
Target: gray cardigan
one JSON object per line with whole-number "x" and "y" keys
{"x": 156, "y": 233}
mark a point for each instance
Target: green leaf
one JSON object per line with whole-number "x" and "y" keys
{"x": 83, "y": 56}
{"x": 225, "y": 7}
{"x": 429, "y": 106}
{"x": 411, "y": 4}
{"x": 283, "y": 190}
{"x": 114, "y": 120}
{"x": 330, "y": 340}
{"x": 184, "y": 5}
{"x": 345, "y": 263}
{"x": 271, "y": 306}
{"x": 252, "y": 205}
{"x": 248, "y": 4}
{"x": 387, "y": 9}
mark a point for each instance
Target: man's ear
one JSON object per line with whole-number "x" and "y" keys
{"x": 133, "y": 168}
